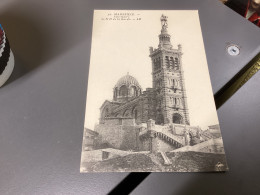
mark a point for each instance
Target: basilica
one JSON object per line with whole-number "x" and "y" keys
{"x": 165, "y": 102}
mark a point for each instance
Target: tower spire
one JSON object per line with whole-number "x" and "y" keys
{"x": 164, "y": 37}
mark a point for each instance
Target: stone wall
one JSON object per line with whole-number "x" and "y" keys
{"x": 124, "y": 136}
{"x": 145, "y": 144}
{"x": 157, "y": 144}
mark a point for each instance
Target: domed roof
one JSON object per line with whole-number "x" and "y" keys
{"x": 127, "y": 80}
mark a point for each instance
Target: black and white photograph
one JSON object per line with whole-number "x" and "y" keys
{"x": 150, "y": 105}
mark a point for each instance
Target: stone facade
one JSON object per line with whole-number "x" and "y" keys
{"x": 118, "y": 133}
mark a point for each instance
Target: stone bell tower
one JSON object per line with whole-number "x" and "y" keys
{"x": 168, "y": 80}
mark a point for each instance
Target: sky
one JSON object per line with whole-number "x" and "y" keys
{"x": 120, "y": 46}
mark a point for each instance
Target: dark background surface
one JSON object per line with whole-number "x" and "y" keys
{"x": 43, "y": 104}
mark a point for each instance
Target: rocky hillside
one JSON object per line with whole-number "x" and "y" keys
{"x": 181, "y": 162}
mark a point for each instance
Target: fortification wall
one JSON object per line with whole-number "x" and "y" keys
{"x": 123, "y": 135}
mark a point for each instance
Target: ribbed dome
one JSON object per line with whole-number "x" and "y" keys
{"x": 127, "y": 80}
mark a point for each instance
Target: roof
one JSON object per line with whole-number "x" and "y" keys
{"x": 127, "y": 80}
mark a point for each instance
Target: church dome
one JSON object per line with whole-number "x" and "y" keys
{"x": 126, "y": 88}
{"x": 127, "y": 80}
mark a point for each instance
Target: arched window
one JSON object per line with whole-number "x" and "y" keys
{"x": 171, "y": 62}
{"x": 172, "y": 100}
{"x": 159, "y": 63}
{"x": 133, "y": 91}
{"x": 176, "y": 64}
{"x": 154, "y": 63}
{"x": 135, "y": 114}
{"x": 176, "y": 83}
{"x": 173, "y": 82}
{"x": 115, "y": 92}
{"x": 123, "y": 91}
{"x": 177, "y": 101}
{"x": 177, "y": 118}
{"x": 105, "y": 113}
{"x": 159, "y": 119}
{"x": 167, "y": 62}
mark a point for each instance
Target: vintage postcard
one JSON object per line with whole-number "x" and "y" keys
{"x": 150, "y": 105}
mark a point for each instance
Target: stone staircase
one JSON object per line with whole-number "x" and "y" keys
{"x": 206, "y": 135}
{"x": 198, "y": 147}
{"x": 165, "y": 158}
{"x": 168, "y": 136}
{"x": 165, "y": 134}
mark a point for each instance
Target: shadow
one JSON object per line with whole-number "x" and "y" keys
{"x": 27, "y": 41}
{"x": 129, "y": 183}
{"x": 38, "y": 32}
